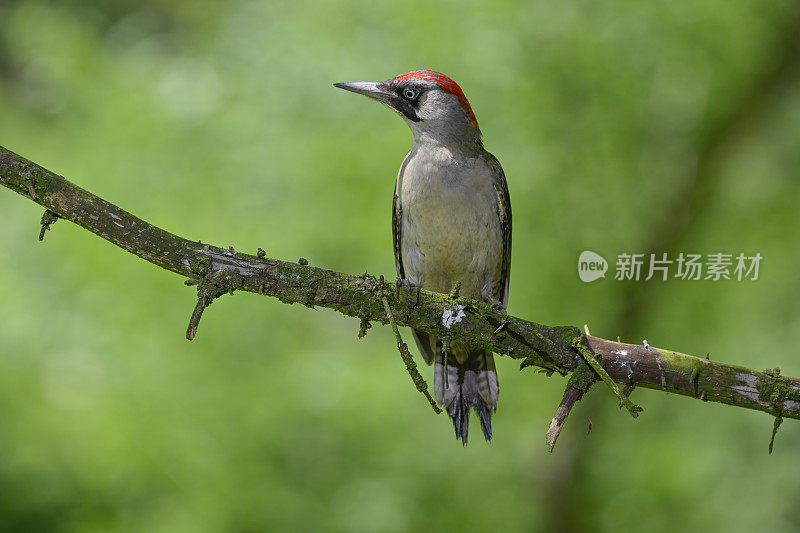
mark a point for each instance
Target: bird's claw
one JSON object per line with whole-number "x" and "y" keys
{"x": 399, "y": 283}
{"x": 497, "y": 307}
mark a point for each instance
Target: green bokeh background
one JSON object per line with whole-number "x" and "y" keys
{"x": 623, "y": 126}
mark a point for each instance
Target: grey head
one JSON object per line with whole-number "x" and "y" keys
{"x": 433, "y": 106}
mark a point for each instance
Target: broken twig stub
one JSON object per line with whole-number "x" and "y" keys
{"x": 48, "y": 218}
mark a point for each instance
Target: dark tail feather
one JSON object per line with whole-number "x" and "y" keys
{"x": 469, "y": 385}
{"x": 459, "y": 413}
{"x": 460, "y": 416}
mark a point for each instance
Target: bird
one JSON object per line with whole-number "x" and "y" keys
{"x": 451, "y": 223}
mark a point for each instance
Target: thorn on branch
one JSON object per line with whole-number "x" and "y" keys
{"x": 261, "y": 253}
{"x": 302, "y": 261}
{"x": 776, "y": 399}
{"x": 209, "y": 288}
{"x": 47, "y": 218}
{"x": 364, "y": 326}
{"x": 775, "y": 426}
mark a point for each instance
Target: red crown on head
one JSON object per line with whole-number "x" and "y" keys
{"x": 445, "y": 83}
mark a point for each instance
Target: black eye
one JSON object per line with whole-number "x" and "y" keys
{"x": 410, "y": 93}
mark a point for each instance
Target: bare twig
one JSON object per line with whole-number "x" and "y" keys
{"x": 411, "y": 366}
{"x": 581, "y": 380}
{"x": 590, "y": 358}
{"x": 571, "y": 395}
{"x": 197, "y": 314}
{"x": 209, "y": 288}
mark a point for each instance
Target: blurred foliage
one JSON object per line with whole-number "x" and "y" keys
{"x": 622, "y": 126}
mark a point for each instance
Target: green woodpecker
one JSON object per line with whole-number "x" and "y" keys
{"x": 451, "y": 222}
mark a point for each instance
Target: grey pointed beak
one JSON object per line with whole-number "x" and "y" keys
{"x": 374, "y": 90}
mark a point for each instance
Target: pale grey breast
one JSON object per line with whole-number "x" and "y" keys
{"x": 451, "y": 228}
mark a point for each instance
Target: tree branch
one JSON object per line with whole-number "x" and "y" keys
{"x": 218, "y": 270}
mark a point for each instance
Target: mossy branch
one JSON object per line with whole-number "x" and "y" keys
{"x": 218, "y": 270}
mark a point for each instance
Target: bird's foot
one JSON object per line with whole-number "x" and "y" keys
{"x": 497, "y": 306}
{"x": 400, "y": 283}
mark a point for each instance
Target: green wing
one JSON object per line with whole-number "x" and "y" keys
{"x": 504, "y": 212}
